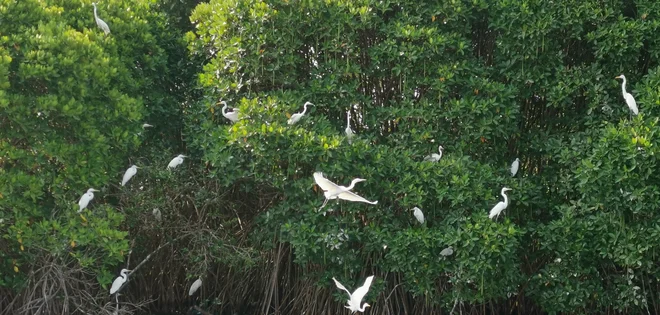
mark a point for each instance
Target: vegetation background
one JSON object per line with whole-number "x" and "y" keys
{"x": 488, "y": 80}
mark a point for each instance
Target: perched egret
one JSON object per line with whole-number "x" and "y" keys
{"x": 233, "y": 115}
{"x": 146, "y": 126}
{"x": 435, "y": 156}
{"x": 334, "y": 191}
{"x": 500, "y": 206}
{"x": 355, "y": 298}
{"x": 119, "y": 281}
{"x": 195, "y": 286}
{"x": 630, "y": 100}
{"x": 130, "y": 172}
{"x": 99, "y": 22}
{"x": 419, "y": 215}
{"x": 178, "y": 160}
{"x": 447, "y": 251}
{"x": 349, "y": 132}
{"x": 297, "y": 116}
{"x": 86, "y": 198}
{"x": 157, "y": 214}
{"x": 514, "y": 167}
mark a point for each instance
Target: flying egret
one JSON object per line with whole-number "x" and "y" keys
{"x": 419, "y": 215}
{"x": 334, "y": 191}
{"x": 178, "y": 160}
{"x": 500, "y": 206}
{"x": 233, "y": 115}
{"x": 99, "y": 22}
{"x": 130, "y": 172}
{"x": 355, "y": 298}
{"x": 146, "y": 126}
{"x": 157, "y": 214}
{"x": 514, "y": 167}
{"x": 349, "y": 132}
{"x": 447, "y": 251}
{"x": 630, "y": 100}
{"x": 195, "y": 286}
{"x": 119, "y": 281}
{"x": 86, "y": 198}
{"x": 435, "y": 156}
{"x": 297, "y": 116}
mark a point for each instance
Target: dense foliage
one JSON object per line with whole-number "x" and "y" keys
{"x": 489, "y": 81}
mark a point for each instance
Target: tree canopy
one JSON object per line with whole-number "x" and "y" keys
{"x": 488, "y": 81}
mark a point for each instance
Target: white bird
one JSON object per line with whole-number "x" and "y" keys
{"x": 104, "y": 26}
{"x": 119, "y": 281}
{"x": 233, "y": 115}
{"x": 630, "y": 100}
{"x": 355, "y": 298}
{"x": 157, "y": 214}
{"x": 447, "y": 251}
{"x": 500, "y": 206}
{"x": 435, "y": 156}
{"x": 514, "y": 167}
{"x": 178, "y": 160}
{"x": 130, "y": 172}
{"x": 349, "y": 132}
{"x": 146, "y": 126}
{"x": 334, "y": 191}
{"x": 419, "y": 215}
{"x": 86, "y": 198}
{"x": 297, "y": 116}
{"x": 195, "y": 286}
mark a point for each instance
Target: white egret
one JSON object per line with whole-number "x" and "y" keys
{"x": 514, "y": 167}
{"x": 500, "y": 206}
{"x": 233, "y": 115}
{"x": 447, "y": 251}
{"x": 419, "y": 215}
{"x": 334, "y": 191}
{"x": 355, "y": 298}
{"x": 130, "y": 172}
{"x": 157, "y": 214}
{"x": 195, "y": 286}
{"x": 630, "y": 100}
{"x": 435, "y": 156}
{"x": 178, "y": 160}
{"x": 119, "y": 281}
{"x": 297, "y": 116}
{"x": 349, "y": 132}
{"x": 86, "y": 198}
{"x": 104, "y": 26}
{"x": 146, "y": 126}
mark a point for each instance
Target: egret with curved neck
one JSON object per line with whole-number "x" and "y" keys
{"x": 630, "y": 100}
{"x": 348, "y": 130}
{"x": 500, "y": 206}
{"x": 233, "y": 115}
{"x": 297, "y": 116}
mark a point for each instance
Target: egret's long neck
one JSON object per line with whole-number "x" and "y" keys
{"x": 348, "y": 120}
{"x": 95, "y": 15}
{"x": 304, "y": 109}
{"x": 506, "y": 199}
{"x": 623, "y": 85}
{"x": 364, "y": 306}
{"x": 224, "y": 108}
{"x": 355, "y": 181}
{"x": 124, "y": 275}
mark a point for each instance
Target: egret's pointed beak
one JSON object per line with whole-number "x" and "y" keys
{"x": 618, "y": 77}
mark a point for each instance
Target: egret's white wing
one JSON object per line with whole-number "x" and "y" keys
{"x": 294, "y": 118}
{"x": 347, "y": 195}
{"x": 360, "y": 292}
{"x": 195, "y": 286}
{"x": 324, "y": 183}
{"x": 630, "y": 100}
{"x": 117, "y": 284}
{"x": 419, "y": 215}
{"x": 514, "y": 167}
{"x": 340, "y": 286}
{"x": 130, "y": 172}
{"x": 497, "y": 209}
{"x": 84, "y": 201}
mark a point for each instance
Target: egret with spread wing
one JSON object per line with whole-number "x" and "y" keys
{"x": 355, "y": 298}
{"x": 334, "y": 191}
